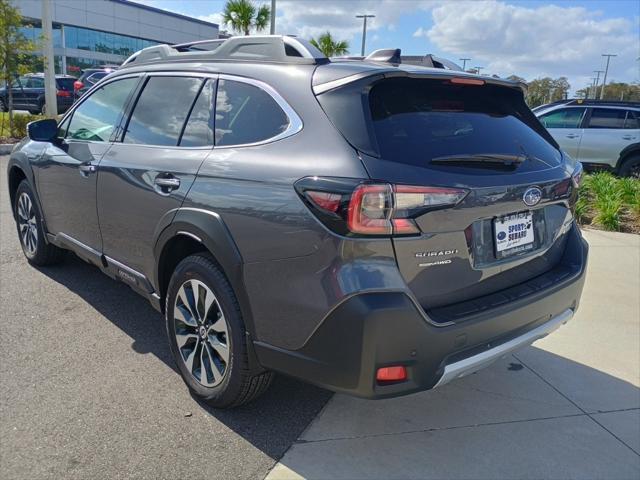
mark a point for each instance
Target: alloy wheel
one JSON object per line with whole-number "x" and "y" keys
{"x": 27, "y": 224}
{"x": 201, "y": 333}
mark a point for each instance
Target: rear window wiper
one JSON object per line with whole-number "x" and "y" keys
{"x": 489, "y": 158}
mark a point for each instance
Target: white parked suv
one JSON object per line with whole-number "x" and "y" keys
{"x": 601, "y": 134}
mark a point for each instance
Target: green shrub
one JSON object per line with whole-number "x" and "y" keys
{"x": 20, "y": 122}
{"x": 630, "y": 190}
{"x": 608, "y": 211}
{"x": 603, "y": 185}
{"x": 582, "y": 208}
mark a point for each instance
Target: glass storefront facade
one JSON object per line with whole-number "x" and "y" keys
{"x": 104, "y": 42}
{"x": 80, "y": 38}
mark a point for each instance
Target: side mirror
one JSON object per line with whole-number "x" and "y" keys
{"x": 44, "y": 130}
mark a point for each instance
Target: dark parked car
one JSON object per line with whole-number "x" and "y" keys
{"x": 28, "y": 93}
{"x": 371, "y": 227}
{"x": 89, "y": 78}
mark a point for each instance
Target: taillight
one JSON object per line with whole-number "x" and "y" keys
{"x": 63, "y": 93}
{"x": 350, "y": 207}
{"x": 77, "y": 85}
{"x": 370, "y": 210}
{"x": 576, "y": 176}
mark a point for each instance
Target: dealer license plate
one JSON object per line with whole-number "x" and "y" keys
{"x": 513, "y": 233}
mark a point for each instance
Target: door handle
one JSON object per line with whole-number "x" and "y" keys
{"x": 87, "y": 169}
{"x": 628, "y": 137}
{"x": 165, "y": 184}
{"x": 573, "y": 135}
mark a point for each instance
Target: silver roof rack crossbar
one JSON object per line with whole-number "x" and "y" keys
{"x": 266, "y": 48}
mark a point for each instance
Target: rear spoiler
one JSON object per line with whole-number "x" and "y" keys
{"x": 418, "y": 72}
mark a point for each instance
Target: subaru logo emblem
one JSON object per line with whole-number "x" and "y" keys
{"x": 532, "y": 196}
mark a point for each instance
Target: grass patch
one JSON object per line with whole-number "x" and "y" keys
{"x": 609, "y": 203}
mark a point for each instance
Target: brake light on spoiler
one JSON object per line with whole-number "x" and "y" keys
{"x": 466, "y": 81}
{"x": 353, "y": 208}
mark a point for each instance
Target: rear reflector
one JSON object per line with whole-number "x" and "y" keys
{"x": 391, "y": 374}
{"x": 467, "y": 81}
{"x": 63, "y": 93}
{"x": 325, "y": 200}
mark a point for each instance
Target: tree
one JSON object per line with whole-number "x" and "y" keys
{"x": 621, "y": 91}
{"x": 14, "y": 49}
{"x": 546, "y": 90}
{"x": 329, "y": 46}
{"x": 242, "y": 16}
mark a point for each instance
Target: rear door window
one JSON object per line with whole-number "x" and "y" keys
{"x": 246, "y": 114}
{"x": 563, "y": 118}
{"x": 161, "y": 110}
{"x": 607, "y": 118}
{"x": 199, "y": 129}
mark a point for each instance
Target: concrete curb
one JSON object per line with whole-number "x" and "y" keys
{"x": 5, "y": 148}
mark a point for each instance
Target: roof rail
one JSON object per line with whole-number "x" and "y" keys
{"x": 200, "y": 45}
{"x": 432, "y": 61}
{"x": 582, "y": 101}
{"x": 264, "y": 48}
{"x": 389, "y": 55}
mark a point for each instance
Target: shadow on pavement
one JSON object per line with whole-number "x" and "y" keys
{"x": 271, "y": 423}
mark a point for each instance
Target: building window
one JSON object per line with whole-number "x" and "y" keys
{"x": 103, "y": 42}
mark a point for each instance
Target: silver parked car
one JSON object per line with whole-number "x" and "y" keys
{"x": 600, "y": 134}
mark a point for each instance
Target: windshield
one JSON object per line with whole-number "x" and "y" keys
{"x": 416, "y": 121}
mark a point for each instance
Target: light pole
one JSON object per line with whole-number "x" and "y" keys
{"x": 464, "y": 62}
{"x": 364, "y": 30}
{"x": 606, "y": 70}
{"x": 478, "y": 70}
{"x": 591, "y": 88}
{"x": 595, "y": 89}
{"x": 273, "y": 17}
{"x": 50, "y": 101}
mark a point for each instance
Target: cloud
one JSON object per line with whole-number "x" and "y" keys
{"x": 420, "y": 32}
{"x": 533, "y": 42}
{"x": 309, "y": 18}
{"x": 214, "y": 18}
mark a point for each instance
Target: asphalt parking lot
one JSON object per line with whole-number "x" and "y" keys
{"x": 88, "y": 387}
{"x": 88, "y": 390}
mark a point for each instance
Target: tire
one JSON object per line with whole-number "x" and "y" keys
{"x": 3, "y": 105}
{"x": 215, "y": 338}
{"x": 30, "y": 231}
{"x": 630, "y": 167}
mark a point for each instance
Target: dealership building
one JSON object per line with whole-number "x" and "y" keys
{"x": 88, "y": 33}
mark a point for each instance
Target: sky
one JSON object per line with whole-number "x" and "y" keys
{"x": 531, "y": 38}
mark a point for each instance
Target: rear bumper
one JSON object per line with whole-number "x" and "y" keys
{"x": 377, "y": 329}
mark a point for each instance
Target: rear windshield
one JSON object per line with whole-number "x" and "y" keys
{"x": 414, "y": 121}
{"x": 65, "y": 84}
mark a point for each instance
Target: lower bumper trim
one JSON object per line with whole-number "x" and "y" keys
{"x": 474, "y": 363}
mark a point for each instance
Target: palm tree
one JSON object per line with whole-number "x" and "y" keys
{"x": 330, "y": 47}
{"x": 242, "y": 15}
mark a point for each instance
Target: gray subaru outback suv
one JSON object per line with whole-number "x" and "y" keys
{"x": 371, "y": 227}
